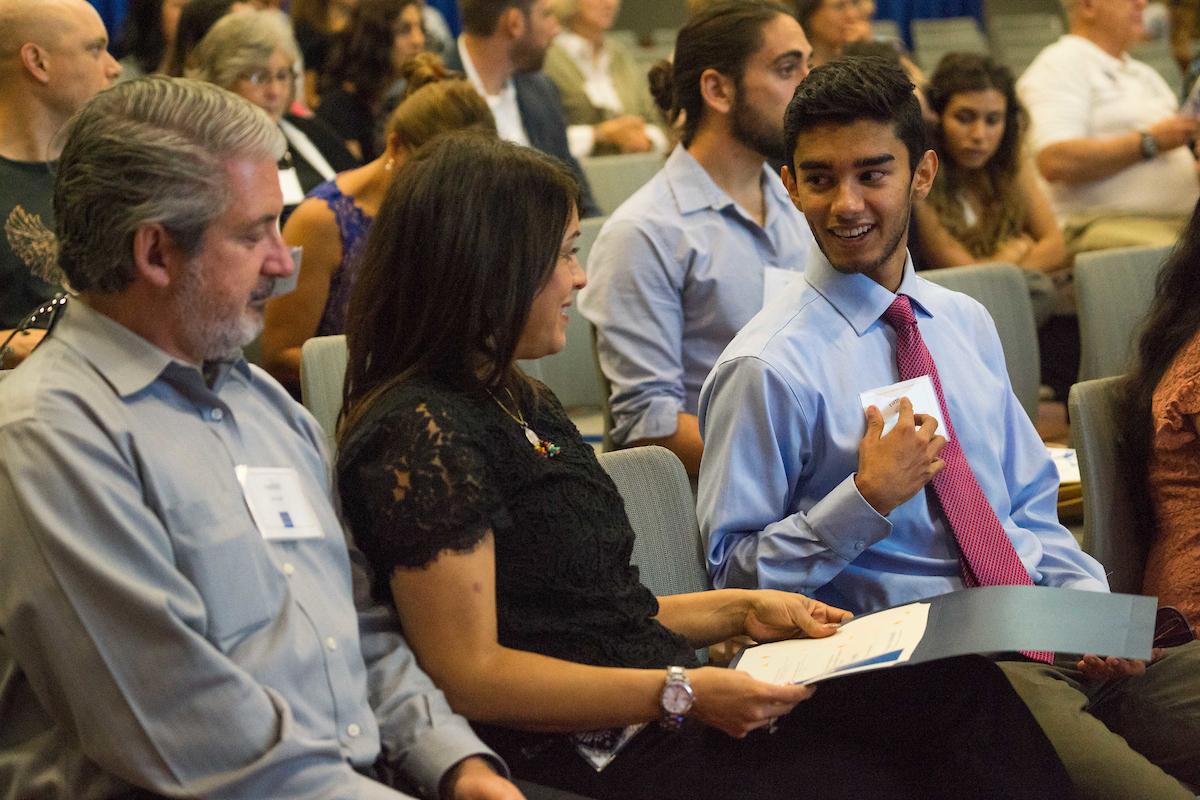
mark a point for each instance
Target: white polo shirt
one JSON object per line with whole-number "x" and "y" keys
{"x": 1075, "y": 90}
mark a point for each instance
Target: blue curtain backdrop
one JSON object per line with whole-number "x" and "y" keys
{"x": 904, "y": 10}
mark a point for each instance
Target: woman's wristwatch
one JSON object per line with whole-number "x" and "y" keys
{"x": 677, "y": 698}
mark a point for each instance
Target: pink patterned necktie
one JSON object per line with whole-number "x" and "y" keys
{"x": 987, "y": 554}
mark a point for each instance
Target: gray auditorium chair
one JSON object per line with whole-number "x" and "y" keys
{"x": 658, "y": 499}
{"x": 1113, "y": 292}
{"x": 1003, "y": 291}
{"x": 1109, "y": 519}
{"x": 615, "y": 178}
{"x": 933, "y": 38}
{"x": 322, "y": 370}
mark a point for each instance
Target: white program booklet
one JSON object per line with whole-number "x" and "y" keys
{"x": 884, "y": 638}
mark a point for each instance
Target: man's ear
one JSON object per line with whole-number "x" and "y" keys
{"x": 156, "y": 256}
{"x": 923, "y": 178}
{"x": 36, "y": 62}
{"x": 718, "y": 91}
{"x": 789, "y": 183}
{"x": 512, "y": 22}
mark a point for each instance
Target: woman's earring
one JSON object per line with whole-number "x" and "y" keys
{"x": 391, "y": 162}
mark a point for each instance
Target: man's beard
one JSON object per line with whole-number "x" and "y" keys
{"x": 751, "y": 130}
{"x": 526, "y": 56}
{"x": 211, "y": 331}
{"x": 888, "y": 251}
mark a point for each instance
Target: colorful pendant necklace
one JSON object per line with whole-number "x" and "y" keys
{"x": 544, "y": 447}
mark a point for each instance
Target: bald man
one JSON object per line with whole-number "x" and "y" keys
{"x": 53, "y": 59}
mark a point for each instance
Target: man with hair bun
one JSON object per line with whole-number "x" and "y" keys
{"x": 53, "y": 58}
{"x": 176, "y": 594}
{"x": 682, "y": 264}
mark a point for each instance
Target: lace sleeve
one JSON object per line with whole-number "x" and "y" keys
{"x": 415, "y": 484}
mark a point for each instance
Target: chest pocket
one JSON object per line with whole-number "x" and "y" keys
{"x": 221, "y": 553}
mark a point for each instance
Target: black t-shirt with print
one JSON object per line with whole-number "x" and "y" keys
{"x": 28, "y": 267}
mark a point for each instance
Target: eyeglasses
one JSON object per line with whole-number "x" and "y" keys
{"x": 50, "y": 311}
{"x": 264, "y": 76}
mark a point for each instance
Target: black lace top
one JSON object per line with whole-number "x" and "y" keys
{"x": 430, "y": 470}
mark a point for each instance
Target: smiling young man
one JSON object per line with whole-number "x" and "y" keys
{"x": 800, "y": 490}
{"x": 681, "y": 266}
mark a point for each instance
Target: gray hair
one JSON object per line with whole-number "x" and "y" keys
{"x": 239, "y": 44}
{"x": 149, "y": 151}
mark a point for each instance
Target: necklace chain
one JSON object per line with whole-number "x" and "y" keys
{"x": 543, "y": 446}
{"x": 517, "y": 417}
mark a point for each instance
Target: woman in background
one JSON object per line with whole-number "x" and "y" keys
{"x": 605, "y": 94}
{"x": 316, "y": 23}
{"x": 364, "y": 67}
{"x": 147, "y": 42}
{"x": 253, "y": 54}
{"x": 332, "y": 223}
{"x": 505, "y": 546}
{"x": 1161, "y": 430}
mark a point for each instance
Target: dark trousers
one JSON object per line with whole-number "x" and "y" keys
{"x": 948, "y": 729}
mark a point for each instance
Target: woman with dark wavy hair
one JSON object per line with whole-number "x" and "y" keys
{"x": 505, "y": 546}
{"x": 364, "y": 65}
{"x": 147, "y": 41}
{"x": 986, "y": 204}
{"x": 1161, "y": 431}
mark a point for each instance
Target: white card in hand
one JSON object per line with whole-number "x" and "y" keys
{"x": 919, "y": 392}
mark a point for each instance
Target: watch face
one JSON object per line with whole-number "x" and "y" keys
{"x": 677, "y": 698}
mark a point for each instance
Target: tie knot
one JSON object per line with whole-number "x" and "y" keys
{"x": 900, "y": 314}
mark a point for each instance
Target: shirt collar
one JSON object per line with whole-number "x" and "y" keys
{"x": 127, "y": 361}
{"x": 473, "y": 74}
{"x": 860, "y": 300}
{"x": 694, "y": 188}
{"x": 578, "y": 48}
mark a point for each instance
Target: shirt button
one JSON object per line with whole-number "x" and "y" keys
{"x": 216, "y": 415}
{"x": 353, "y": 729}
{"x": 331, "y": 644}
{"x": 288, "y": 569}
{"x": 859, "y": 546}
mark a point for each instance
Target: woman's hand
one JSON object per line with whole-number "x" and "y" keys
{"x": 775, "y": 615}
{"x": 735, "y": 703}
{"x": 1014, "y": 249}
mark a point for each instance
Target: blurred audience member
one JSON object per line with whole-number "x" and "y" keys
{"x": 502, "y": 50}
{"x": 332, "y": 223}
{"x": 53, "y": 58}
{"x": 1162, "y": 430}
{"x": 254, "y": 54}
{"x": 316, "y": 23}
{"x": 986, "y": 203}
{"x": 1183, "y": 15}
{"x": 604, "y": 91}
{"x": 833, "y": 24}
{"x": 1107, "y": 133}
{"x": 195, "y": 20}
{"x": 687, "y": 261}
{"x": 364, "y": 65}
{"x": 147, "y": 41}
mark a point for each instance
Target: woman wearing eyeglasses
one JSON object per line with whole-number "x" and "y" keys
{"x": 253, "y": 54}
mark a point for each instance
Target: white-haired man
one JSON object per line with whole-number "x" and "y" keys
{"x": 1107, "y": 133}
{"x": 176, "y": 594}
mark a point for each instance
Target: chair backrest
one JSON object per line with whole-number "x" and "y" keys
{"x": 1109, "y": 523}
{"x": 1113, "y": 292}
{"x": 658, "y": 499}
{"x": 570, "y": 373}
{"x": 1004, "y": 292}
{"x": 322, "y": 371}
{"x": 615, "y": 178}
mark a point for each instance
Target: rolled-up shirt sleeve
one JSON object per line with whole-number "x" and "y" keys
{"x": 758, "y": 450}
{"x": 634, "y": 299}
{"x": 114, "y": 640}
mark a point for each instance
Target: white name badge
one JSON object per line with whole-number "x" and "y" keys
{"x": 919, "y": 392}
{"x": 289, "y": 184}
{"x": 775, "y": 280}
{"x": 277, "y": 503}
